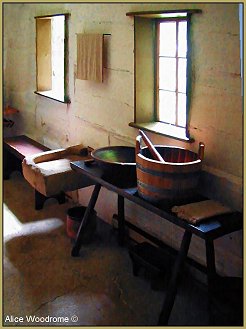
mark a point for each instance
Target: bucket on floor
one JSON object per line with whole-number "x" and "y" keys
{"x": 174, "y": 180}
{"x": 74, "y": 218}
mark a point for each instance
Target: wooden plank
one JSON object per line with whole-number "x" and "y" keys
{"x": 22, "y": 146}
{"x": 161, "y": 13}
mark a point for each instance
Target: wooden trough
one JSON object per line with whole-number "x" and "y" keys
{"x": 174, "y": 180}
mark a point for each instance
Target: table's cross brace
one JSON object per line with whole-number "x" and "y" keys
{"x": 121, "y": 220}
{"x": 172, "y": 286}
{"x": 91, "y": 205}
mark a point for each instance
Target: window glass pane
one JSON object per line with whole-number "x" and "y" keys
{"x": 172, "y": 83}
{"x": 167, "y": 73}
{"x": 181, "y": 110}
{"x": 182, "y": 75}
{"x": 167, "y": 39}
{"x": 167, "y": 106}
{"x": 182, "y": 39}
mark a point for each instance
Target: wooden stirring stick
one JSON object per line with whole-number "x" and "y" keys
{"x": 151, "y": 147}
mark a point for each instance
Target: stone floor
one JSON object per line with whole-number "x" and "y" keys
{"x": 41, "y": 280}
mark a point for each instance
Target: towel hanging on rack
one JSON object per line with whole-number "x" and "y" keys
{"x": 90, "y": 57}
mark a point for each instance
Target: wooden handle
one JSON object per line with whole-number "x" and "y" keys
{"x": 151, "y": 147}
{"x": 201, "y": 150}
{"x": 138, "y": 144}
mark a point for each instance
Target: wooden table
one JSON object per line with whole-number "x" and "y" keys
{"x": 210, "y": 230}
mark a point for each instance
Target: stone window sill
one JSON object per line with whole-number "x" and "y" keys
{"x": 51, "y": 95}
{"x": 164, "y": 129}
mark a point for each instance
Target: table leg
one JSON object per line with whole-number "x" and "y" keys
{"x": 40, "y": 199}
{"x": 121, "y": 220}
{"x": 211, "y": 268}
{"x": 10, "y": 164}
{"x": 172, "y": 288}
{"x": 90, "y": 207}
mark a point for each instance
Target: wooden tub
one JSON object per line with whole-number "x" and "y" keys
{"x": 174, "y": 180}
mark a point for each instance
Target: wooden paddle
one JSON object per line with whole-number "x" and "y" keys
{"x": 151, "y": 147}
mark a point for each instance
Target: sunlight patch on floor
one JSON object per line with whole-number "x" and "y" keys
{"x": 12, "y": 226}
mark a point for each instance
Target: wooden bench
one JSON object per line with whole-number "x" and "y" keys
{"x": 15, "y": 150}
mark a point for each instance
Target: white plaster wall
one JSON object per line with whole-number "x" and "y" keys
{"x": 99, "y": 113}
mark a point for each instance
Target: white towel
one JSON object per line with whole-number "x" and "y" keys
{"x": 90, "y": 57}
{"x": 197, "y": 211}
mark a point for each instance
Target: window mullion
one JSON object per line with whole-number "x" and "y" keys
{"x": 177, "y": 68}
{"x": 157, "y": 112}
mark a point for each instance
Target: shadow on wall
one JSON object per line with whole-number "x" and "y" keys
{"x": 221, "y": 189}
